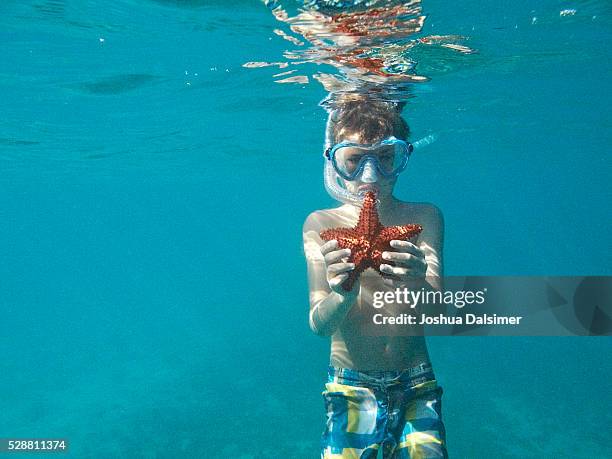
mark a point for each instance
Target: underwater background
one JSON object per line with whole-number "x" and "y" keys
{"x": 152, "y": 194}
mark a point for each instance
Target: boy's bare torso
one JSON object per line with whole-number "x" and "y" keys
{"x": 353, "y": 344}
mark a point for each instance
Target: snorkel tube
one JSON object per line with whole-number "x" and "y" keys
{"x": 423, "y": 142}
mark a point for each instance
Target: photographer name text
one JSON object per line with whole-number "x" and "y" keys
{"x": 424, "y": 297}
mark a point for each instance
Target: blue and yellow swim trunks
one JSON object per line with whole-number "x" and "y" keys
{"x": 399, "y": 411}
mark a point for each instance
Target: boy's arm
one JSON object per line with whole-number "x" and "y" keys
{"x": 431, "y": 242}
{"x": 327, "y": 308}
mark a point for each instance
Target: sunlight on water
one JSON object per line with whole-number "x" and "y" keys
{"x": 370, "y": 48}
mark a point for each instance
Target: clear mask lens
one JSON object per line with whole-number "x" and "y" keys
{"x": 389, "y": 157}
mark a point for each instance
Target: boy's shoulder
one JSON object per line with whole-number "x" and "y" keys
{"x": 425, "y": 210}
{"x": 426, "y": 214}
{"x": 322, "y": 218}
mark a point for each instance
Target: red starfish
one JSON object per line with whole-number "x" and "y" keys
{"x": 368, "y": 239}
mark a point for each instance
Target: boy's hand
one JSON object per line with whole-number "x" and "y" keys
{"x": 409, "y": 260}
{"x": 337, "y": 267}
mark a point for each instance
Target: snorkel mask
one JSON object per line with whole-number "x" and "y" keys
{"x": 350, "y": 160}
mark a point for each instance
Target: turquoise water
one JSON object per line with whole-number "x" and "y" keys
{"x": 153, "y": 192}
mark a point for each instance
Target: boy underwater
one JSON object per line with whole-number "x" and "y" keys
{"x": 381, "y": 390}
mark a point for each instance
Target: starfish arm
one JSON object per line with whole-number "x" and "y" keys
{"x": 359, "y": 257}
{"x": 352, "y": 278}
{"x": 403, "y": 232}
{"x": 377, "y": 259}
{"x": 338, "y": 233}
{"x": 368, "y": 223}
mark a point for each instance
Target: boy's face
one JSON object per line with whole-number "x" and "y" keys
{"x": 370, "y": 179}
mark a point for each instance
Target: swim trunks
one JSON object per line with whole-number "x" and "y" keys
{"x": 399, "y": 411}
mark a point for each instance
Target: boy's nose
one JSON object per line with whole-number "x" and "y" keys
{"x": 369, "y": 172}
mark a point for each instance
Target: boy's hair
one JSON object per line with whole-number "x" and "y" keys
{"x": 372, "y": 120}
